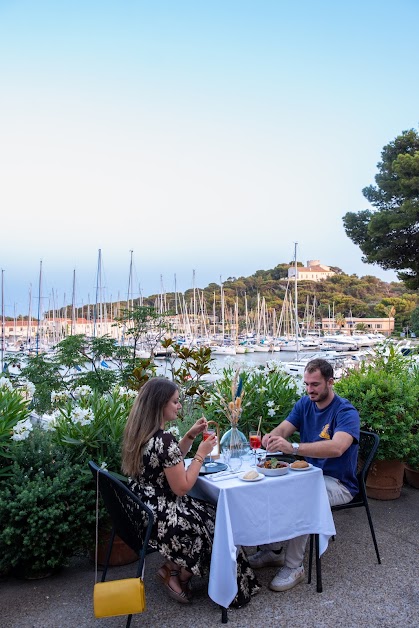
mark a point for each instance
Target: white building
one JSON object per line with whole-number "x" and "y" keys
{"x": 314, "y": 271}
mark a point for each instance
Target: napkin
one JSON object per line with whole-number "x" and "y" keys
{"x": 222, "y": 475}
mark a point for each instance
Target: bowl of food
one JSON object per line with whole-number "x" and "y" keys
{"x": 272, "y": 466}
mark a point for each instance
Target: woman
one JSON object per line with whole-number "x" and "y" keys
{"x": 154, "y": 461}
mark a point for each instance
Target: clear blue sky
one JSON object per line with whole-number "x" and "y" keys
{"x": 203, "y": 136}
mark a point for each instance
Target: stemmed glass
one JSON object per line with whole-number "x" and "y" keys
{"x": 206, "y": 434}
{"x": 255, "y": 442}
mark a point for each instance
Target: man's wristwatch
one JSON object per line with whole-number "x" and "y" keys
{"x": 296, "y": 447}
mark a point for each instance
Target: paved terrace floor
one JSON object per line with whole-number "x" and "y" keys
{"x": 357, "y": 592}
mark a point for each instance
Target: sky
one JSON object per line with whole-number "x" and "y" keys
{"x": 182, "y": 142}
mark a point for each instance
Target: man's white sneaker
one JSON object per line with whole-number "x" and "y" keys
{"x": 286, "y": 578}
{"x": 266, "y": 558}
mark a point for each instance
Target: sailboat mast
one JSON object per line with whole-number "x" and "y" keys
{"x": 29, "y": 330}
{"x": 39, "y": 307}
{"x": 296, "y": 301}
{"x": 99, "y": 264}
{"x": 2, "y": 322}
{"x": 73, "y": 305}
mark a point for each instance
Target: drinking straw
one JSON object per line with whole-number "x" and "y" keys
{"x": 260, "y": 421}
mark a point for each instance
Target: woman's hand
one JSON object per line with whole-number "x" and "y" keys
{"x": 206, "y": 447}
{"x": 198, "y": 427}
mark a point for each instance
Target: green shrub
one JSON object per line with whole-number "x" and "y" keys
{"x": 47, "y": 507}
{"x": 13, "y": 408}
{"x": 387, "y": 401}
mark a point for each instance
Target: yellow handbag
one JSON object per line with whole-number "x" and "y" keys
{"x": 116, "y": 597}
{"x": 119, "y": 597}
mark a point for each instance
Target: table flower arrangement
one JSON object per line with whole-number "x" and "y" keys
{"x": 231, "y": 406}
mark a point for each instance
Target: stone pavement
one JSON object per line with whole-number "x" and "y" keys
{"x": 357, "y": 592}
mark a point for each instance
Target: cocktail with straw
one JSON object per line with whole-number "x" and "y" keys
{"x": 255, "y": 439}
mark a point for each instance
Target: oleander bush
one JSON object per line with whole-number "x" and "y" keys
{"x": 269, "y": 393}
{"x": 14, "y": 409}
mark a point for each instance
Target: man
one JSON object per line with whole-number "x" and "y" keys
{"x": 329, "y": 433}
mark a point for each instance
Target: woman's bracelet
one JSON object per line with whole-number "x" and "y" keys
{"x": 198, "y": 459}
{"x": 189, "y": 436}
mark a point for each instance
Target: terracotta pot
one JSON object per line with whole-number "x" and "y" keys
{"x": 385, "y": 479}
{"x": 412, "y": 476}
{"x": 121, "y": 553}
{"x": 27, "y": 573}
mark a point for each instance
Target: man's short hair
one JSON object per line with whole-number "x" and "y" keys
{"x": 318, "y": 364}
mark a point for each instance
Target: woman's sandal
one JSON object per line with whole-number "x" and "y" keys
{"x": 168, "y": 573}
{"x": 186, "y": 587}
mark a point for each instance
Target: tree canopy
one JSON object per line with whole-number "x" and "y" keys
{"x": 388, "y": 235}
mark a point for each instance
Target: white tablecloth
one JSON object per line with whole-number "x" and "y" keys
{"x": 254, "y": 513}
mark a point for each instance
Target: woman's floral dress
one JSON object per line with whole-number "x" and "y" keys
{"x": 183, "y": 526}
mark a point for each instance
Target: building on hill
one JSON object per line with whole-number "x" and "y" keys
{"x": 314, "y": 271}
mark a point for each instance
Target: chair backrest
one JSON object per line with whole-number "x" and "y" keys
{"x": 368, "y": 445}
{"x": 131, "y": 519}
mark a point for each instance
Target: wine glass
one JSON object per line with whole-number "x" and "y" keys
{"x": 255, "y": 442}
{"x": 206, "y": 434}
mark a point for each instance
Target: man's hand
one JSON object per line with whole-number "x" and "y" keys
{"x": 278, "y": 443}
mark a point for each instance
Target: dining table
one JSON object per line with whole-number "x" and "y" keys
{"x": 252, "y": 513}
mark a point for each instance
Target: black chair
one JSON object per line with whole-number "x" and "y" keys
{"x": 368, "y": 445}
{"x": 131, "y": 520}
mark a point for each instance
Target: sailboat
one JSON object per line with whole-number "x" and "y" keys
{"x": 223, "y": 349}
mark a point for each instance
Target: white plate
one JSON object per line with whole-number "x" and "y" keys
{"x": 259, "y": 477}
{"x": 302, "y": 469}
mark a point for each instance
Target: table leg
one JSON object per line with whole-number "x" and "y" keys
{"x": 224, "y": 616}
{"x": 318, "y": 564}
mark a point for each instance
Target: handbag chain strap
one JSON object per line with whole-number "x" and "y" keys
{"x": 97, "y": 524}
{"x": 97, "y": 531}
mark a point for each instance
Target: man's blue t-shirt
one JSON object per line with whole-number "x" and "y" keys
{"x": 316, "y": 425}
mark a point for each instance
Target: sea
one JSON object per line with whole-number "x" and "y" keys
{"x": 241, "y": 359}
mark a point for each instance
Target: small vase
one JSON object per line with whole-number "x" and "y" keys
{"x": 235, "y": 440}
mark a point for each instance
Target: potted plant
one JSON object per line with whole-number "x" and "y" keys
{"x": 47, "y": 506}
{"x": 385, "y": 395}
{"x": 412, "y": 462}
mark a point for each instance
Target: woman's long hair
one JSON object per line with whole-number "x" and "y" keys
{"x": 143, "y": 421}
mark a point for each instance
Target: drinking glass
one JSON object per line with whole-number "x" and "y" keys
{"x": 209, "y": 432}
{"x": 235, "y": 461}
{"x": 255, "y": 442}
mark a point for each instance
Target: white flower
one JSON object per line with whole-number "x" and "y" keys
{"x": 271, "y": 412}
{"x": 82, "y": 416}
{"x": 270, "y": 404}
{"x": 59, "y": 396}
{"x": 6, "y": 383}
{"x": 22, "y": 429}
{"x": 128, "y": 393}
{"x": 82, "y": 391}
{"x": 26, "y": 389}
{"x": 48, "y": 422}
